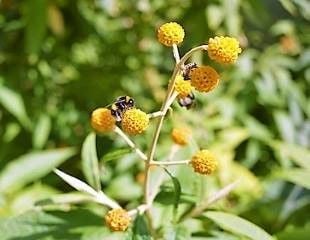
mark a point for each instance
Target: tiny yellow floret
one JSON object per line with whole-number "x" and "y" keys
{"x": 102, "y": 120}
{"x": 135, "y": 121}
{"x": 204, "y": 78}
{"x": 223, "y": 49}
{"x": 170, "y": 33}
{"x": 117, "y": 219}
{"x": 183, "y": 87}
{"x": 204, "y": 162}
{"x": 181, "y": 135}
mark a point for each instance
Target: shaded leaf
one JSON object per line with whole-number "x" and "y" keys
{"x": 116, "y": 154}
{"x": 140, "y": 230}
{"x": 30, "y": 167}
{"x": 238, "y": 225}
{"x": 36, "y": 19}
{"x": 177, "y": 188}
{"x": 55, "y": 225}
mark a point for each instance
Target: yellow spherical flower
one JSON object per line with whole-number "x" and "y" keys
{"x": 183, "y": 87}
{"x": 204, "y": 78}
{"x": 204, "y": 162}
{"x": 181, "y": 135}
{"x": 135, "y": 121}
{"x": 102, "y": 120}
{"x": 117, "y": 219}
{"x": 223, "y": 49}
{"x": 170, "y": 33}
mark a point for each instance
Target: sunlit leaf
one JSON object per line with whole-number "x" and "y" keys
{"x": 90, "y": 161}
{"x": 14, "y": 104}
{"x": 238, "y": 225}
{"x": 30, "y": 167}
{"x": 57, "y": 225}
{"x": 41, "y": 131}
{"x": 297, "y": 176}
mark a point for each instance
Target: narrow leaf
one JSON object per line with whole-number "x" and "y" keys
{"x": 30, "y": 167}
{"x": 297, "y": 176}
{"x": 90, "y": 161}
{"x": 76, "y": 183}
{"x": 36, "y": 24}
{"x": 14, "y": 104}
{"x": 117, "y": 154}
{"x": 140, "y": 230}
{"x": 238, "y": 225}
{"x": 177, "y": 189}
{"x": 41, "y": 132}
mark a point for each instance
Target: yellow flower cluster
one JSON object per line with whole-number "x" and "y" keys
{"x": 102, "y": 120}
{"x": 135, "y": 121}
{"x": 204, "y": 162}
{"x": 223, "y": 49}
{"x": 117, "y": 219}
{"x": 204, "y": 78}
{"x": 182, "y": 86}
{"x": 181, "y": 135}
{"x": 170, "y": 33}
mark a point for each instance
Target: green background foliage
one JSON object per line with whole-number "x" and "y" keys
{"x": 59, "y": 60}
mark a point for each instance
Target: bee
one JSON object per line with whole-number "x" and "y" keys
{"x": 120, "y": 105}
{"x": 189, "y": 100}
{"x": 186, "y": 70}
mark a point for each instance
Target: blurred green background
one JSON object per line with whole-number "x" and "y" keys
{"x": 61, "y": 59}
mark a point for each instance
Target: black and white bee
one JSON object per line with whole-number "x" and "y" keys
{"x": 189, "y": 100}
{"x": 186, "y": 70}
{"x": 120, "y": 105}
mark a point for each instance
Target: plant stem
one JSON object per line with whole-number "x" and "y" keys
{"x": 130, "y": 143}
{"x": 163, "y": 163}
{"x": 170, "y": 96}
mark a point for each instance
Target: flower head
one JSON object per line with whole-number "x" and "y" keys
{"x": 117, "y": 219}
{"x": 204, "y": 162}
{"x": 181, "y": 135}
{"x": 102, "y": 120}
{"x": 170, "y": 33}
{"x": 204, "y": 78}
{"x": 223, "y": 49}
{"x": 135, "y": 121}
{"x": 183, "y": 87}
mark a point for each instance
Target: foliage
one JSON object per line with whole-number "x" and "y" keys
{"x": 61, "y": 59}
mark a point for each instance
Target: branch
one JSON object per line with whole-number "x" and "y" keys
{"x": 130, "y": 143}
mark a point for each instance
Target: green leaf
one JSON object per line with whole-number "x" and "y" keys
{"x": 36, "y": 23}
{"x": 56, "y": 225}
{"x": 177, "y": 188}
{"x": 285, "y": 126}
{"x": 238, "y": 225}
{"x": 41, "y": 131}
{"x": 297, "y": 176}
{"x": 30, "y": 167}
{"x": 90, "y": 161}
{"x": 176, "y": 233}
{"x": 300, "y": 155}
{"x": 289, "y": 6}
{"x": 116, "y": 154}
{"x": 14, "y": 104}
{"x": 140, "y": 230}
{"x": 296, "y": 233}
